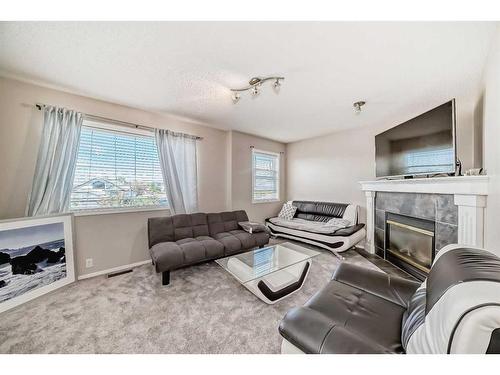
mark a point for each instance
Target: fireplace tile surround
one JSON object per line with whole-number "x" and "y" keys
{"x": 456, "y": 204}
{"x": 436, "y": 207}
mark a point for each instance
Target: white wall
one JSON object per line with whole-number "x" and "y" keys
{"x": 489, "y": 107}
{"x": 329, "y": 167}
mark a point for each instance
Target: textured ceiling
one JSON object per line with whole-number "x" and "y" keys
{"x": 187, "y": 68}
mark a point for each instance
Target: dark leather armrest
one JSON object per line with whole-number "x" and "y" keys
{"x": 314, "y": 333}
{"x": 392, "y": 288}
{"x": 345, "y": 232}
{"x": 305, "y": 328}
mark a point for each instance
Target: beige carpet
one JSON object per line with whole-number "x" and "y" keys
{"x": 203, "y": 310}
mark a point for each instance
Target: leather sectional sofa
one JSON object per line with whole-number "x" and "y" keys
{"x": 455, "y": 310}
{"x": 312, "y": 211}
{"x": 187, "y": 239}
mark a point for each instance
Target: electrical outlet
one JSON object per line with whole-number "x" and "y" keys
{"x": 89, "y": 262}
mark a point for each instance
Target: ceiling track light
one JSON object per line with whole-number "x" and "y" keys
{"x": 357, "y": 106}
{"x": 254, "y": 86}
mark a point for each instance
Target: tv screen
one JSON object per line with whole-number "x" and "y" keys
{"x": 420, "y": 146}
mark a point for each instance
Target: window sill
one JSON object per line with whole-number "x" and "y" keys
{"x": 108, "y": 211}
{"x": 266, "y": 201}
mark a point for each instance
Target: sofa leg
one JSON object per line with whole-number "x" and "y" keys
{"x": 165, "y": 278}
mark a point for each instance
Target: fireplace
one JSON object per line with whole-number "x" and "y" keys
{"x": 410, "y": 243}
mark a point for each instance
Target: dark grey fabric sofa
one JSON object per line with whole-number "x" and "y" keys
{"x": 187, "y": 239}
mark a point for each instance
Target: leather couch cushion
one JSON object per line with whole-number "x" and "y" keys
{"x": 172, "y": 255}
{"x": 344, "y": 316}
{"x": 393, "y": 289}
{"x": 319, "y": 211}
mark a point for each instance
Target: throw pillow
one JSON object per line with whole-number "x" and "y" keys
{"x": 287, "y": 212}
{"x": 252, "y": 227}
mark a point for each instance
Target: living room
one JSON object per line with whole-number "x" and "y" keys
{"x": 249, "y": 187}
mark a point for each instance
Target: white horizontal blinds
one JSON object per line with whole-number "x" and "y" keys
{"x": 116, "y": 169}
{"x": 265, "y": 176}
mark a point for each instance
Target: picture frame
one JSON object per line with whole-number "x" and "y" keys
{"x": 36, "y": 257}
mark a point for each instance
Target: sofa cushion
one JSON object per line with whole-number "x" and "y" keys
{"x": 394, "y": 289}
{"x": 319, "y": 211}
{"x": 193, "y": 250}
{"x": 167, "y": 256}
{"x": 342, "y": 317}
{"x": 213, "y": 248}
{"x": 190, "y": 225}
{"x": 171, "y": 255}
{"x": 246, "y": 239}
{"x": 160, "y": 229}
{"x": 225, "y": 221}
{"x": 231, "y": 243}
{"x": 320, "y": 227}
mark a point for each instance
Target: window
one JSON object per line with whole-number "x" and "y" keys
{"x": 116, "y": 168}
{"x": 435, "y": 160}
{"x": 265, "y": 172}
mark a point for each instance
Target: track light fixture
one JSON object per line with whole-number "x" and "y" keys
{"x": 357, "y": 106}
{"x": 236, "y": 97}
{"x": 255, "y": 90}
{"x": 254, "y": 86}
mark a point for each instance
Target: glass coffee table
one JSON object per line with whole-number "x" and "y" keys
{"x": 271, "y": 273}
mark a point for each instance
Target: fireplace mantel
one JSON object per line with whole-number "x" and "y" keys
{"x": 469, "y": 185}
{"x": 469, "y": 195}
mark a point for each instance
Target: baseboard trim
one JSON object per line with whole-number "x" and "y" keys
{"x": 114, "y": 269}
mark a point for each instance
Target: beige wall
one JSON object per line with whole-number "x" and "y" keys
{"x": 329, "y": 167}
{"x": 240, "y": 171}
{"x": 489, "y": 111}
{"x": 111, "y": 240}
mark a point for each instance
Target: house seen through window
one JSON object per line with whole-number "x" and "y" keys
{"x": 116, "y": 169}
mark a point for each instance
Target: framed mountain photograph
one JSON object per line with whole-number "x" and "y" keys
{"x": 36, "y": 257}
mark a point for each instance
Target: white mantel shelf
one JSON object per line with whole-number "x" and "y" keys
{"x": 469, "y": 194}
{"x": 467, "y": 185}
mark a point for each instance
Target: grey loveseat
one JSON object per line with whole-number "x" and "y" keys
{"x": 187, "y": 239}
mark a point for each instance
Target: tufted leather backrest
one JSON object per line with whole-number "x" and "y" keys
{"x": 319, "y": 211}
{"x": 225, "y": 221}
{"x": 457, "y": 308}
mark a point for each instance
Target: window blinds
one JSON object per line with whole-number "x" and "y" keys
{"x": 265, "y": 176}
{"x": 116, "y": 169}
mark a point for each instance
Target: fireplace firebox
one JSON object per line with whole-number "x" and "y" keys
{"x": 410, "y": 243}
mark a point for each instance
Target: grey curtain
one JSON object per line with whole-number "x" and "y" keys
{"x": 177, "y": 154}
{"x": 55, "y": 166}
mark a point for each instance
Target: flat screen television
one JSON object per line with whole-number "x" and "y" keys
{"x": 424, "y": 145}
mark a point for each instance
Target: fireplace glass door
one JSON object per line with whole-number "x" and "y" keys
{"x": 410, "y": 243}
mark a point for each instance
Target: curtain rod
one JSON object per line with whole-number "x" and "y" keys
{"x": 39, "y": 106}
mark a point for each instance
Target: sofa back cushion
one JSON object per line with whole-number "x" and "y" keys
{"x": 319, "y": 211}
{"x": 177, "y": 227}
{"x": 190, "y": 226}
{"x": 160, "y": 229}
{"x": 225, "y": 221}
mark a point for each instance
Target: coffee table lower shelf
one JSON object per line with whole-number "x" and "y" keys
{"x": 271, "y": 273}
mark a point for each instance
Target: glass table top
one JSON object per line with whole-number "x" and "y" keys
{"x": 261, "y": 262}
